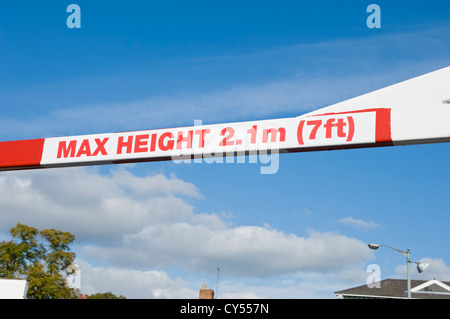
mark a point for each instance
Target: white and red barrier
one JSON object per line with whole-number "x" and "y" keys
{"x": 410, "y": 112}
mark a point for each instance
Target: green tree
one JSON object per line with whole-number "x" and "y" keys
{"x": 105, "y": 295}
{"x": 15, "y": 256}
{"x": 43, "y": 257}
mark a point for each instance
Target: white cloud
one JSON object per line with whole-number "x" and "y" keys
{"x": 133, "y": 223}
{"x": 133, "y": 284}
{"x": 359, "y": 223}
{"x": 157, "y": 284}
{"x": 92, "y": 206}
{"x": 252, "y": 101}
{"x": 299, "y": 285}
{"x": 241, "y": 251}
{"x": 438, "y": 270}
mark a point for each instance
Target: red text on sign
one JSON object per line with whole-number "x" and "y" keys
{"x": 75, "y": 149}
{"x": 343, "y": 127}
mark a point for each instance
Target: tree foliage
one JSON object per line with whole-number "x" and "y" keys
{"x": 105, "y": 295}
{"x": 43, "y": 257}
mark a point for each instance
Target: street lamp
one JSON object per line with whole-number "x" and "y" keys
{"x": 420, "y": 266}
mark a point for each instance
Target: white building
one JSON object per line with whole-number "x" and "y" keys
{"x": 74, "y": 280}
{"x": 13, "y": 288}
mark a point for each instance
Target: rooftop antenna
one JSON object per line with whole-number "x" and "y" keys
{"x": 217, "y": 283}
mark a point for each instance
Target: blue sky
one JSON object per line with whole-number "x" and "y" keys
{"x": 159, "y": 230}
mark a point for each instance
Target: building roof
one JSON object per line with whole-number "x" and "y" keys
{"x": 397, "y": 289}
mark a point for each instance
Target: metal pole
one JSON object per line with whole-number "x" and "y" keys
{"x": 408, "y": 263}
{"x": 217, "y": 283}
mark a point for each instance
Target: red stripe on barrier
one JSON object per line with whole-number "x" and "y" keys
{"x": 383, "y": 126}
{"x": 25, "y": 153}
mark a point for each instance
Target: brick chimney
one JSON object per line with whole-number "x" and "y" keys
{"x": 206, "y": 293}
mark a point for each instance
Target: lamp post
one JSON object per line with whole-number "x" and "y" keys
{"x": 420, "y": 266}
